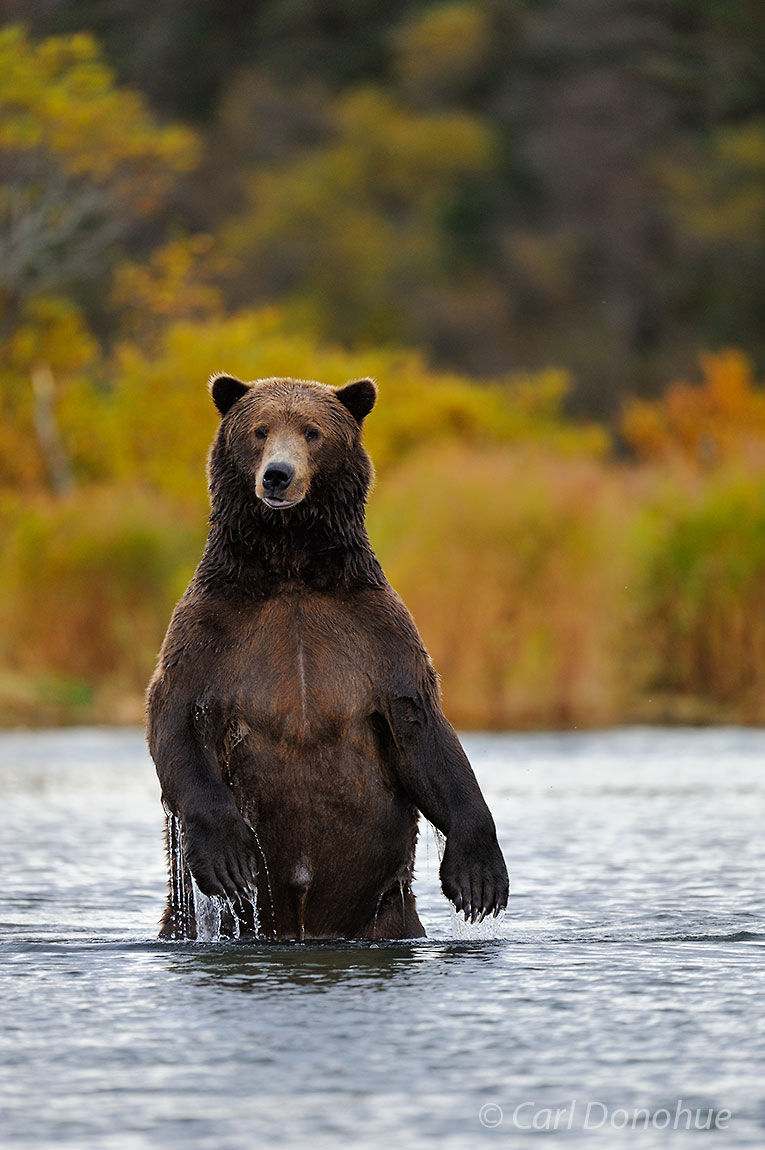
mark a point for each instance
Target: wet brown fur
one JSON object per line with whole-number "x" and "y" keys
{"x": 294, "y": 716}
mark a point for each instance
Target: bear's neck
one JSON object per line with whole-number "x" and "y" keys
{"x": 321, "y": 543}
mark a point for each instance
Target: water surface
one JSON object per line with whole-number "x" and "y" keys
{"x": 625, "y": 983}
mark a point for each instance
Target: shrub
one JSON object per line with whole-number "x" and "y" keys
{"x": 154, "y": 422}
{"x": 719, "y": 420}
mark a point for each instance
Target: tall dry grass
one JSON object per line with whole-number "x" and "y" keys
{"x": 86, "y": 587}
{"x": 703, "y": 595}
{"x": 517, "y": 567}
{"x": 551, "y": 591}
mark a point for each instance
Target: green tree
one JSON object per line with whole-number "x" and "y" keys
{"x": 82, "y": 165}
{"x": 81, "y": 161}
{"x": 353, "y": 232}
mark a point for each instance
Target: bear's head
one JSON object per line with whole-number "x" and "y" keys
{"x": 286, "y": 441}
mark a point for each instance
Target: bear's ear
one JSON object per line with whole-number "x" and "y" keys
{"x": 359, "y": 397}
{"x": 225, "y": 390}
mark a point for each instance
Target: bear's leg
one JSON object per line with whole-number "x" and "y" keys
{"x": 433, "y": 770}
{"x": 396, "y": 916}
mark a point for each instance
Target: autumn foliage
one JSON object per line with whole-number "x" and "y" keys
{"x": 562, "y": 571}
{"x": 719, "y": 420}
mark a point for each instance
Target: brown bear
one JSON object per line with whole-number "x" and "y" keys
{"x": 294, "y": 716}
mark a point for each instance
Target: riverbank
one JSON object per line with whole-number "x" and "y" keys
{"x": 34, "y": 703}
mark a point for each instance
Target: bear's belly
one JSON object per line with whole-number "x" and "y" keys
{"x": 334, "y": 835}
{"x": 300, "y": 753}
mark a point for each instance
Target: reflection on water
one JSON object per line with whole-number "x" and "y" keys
{"x": 628, "y": 971}
{"x": 319, "y": 966}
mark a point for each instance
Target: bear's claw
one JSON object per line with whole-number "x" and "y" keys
{"x": 474, "y": 876}
{"x": 221, "y": 852}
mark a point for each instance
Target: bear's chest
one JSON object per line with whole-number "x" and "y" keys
{"x": 300, "y": 670}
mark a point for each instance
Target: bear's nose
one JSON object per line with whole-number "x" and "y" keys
{"x": 277, "y": 478}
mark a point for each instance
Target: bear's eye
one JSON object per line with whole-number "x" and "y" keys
{"x": 261, "y": 433}
{"x": 311, "y": 433}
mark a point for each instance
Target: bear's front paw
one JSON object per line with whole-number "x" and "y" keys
{"x": 474, "y": 876}
{"x": 222, "y": 853}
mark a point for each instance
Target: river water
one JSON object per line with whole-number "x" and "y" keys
{"x": 618, "y": 1002}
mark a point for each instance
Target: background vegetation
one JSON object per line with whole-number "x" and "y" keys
{"x": 540, "y": 226}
